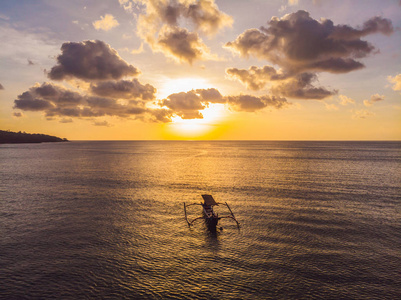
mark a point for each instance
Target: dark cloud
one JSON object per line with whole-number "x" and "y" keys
{"x": 90, "y": 60}
{"x": 57, "y": 101}
{"x": 32, "y": 104}
{"x": 299, "y": 43}
{"x": 251, "y": 103}
{"x": 373, "y": 25}
{"x": 302, "y": 46}
{"x": 300, "y": 87}
{"x": 124, "y": 89}
{"x": 211, "y": 95}
{"x": 181, "y": 44}
{"x": 18, "y": 114}
{"x": 185, "y": 104}
{"x": 47, "y": 96}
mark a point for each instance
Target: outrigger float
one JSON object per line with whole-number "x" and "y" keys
{"x": 210, "y": 217}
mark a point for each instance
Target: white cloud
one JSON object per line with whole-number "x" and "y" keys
{"x": 105, "y": 23}
{"x": 396, "y": 81}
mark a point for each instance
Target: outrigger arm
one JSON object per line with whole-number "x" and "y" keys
{"x": 232, "y": 214}
{"x": 185, "y": 210}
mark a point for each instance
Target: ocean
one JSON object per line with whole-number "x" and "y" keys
{"x": 105, "y": 220}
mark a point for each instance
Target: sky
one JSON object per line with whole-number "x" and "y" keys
{"x": 202, "y": 69}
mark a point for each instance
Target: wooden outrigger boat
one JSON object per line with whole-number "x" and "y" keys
{"x": 210, "y": 217}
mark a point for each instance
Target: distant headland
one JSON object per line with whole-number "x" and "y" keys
{"x": 9, "y": 137}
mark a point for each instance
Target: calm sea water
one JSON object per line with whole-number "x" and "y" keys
{"x": 105, "y": 220}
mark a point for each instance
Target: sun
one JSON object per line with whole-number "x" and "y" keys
{"x": 199, "y": 128}
{"x": 180, "y": 128}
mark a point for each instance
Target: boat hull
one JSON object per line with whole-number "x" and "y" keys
{"x": 212, "y": 222}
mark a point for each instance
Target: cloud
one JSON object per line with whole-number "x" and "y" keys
{"x": 255, "y": 78}
{"x": 161, "y": 115}
{"x": 344, "y": 100}
{"x": 189, "y": 105}
{"x": 124, "y": 89}
{"x": 25, "y": 102}
{"x": 89, "y": 61}
{"x": 18, "y": 114}
{"x": 362, "y": 114}
{"x": 57, "y": 101}
{"x": 139, "y": 50}
{"x": 331, "y": 106}
{"x": 66, "y": 120}
{"x": 396, "y": 81}
{"x": 373, "y": 25}
{"x": 373, "y": 99}
{"x": 206, "y": 16}
{"x": 251, "y": 103}
{"x": 126, "y": 4}
{"x": 185, "y": 104}
{"x": 299, "y": 43}
{"x": 300, "y": 86}
{"x": 1, "y": 87}
{"x": 47, "y": 97}
{"x": 129, "y": 99}
{"x": 105, "y": 23}
{"x": 283, "y": 84}
{"x": 182, "y": 45}
{"x": 102, "y": 123}
{"x": 210, "y": 95}
{"x": 302, "y": 46}
{"x": 159, "y": 26}
{"x": 104, "y": 94}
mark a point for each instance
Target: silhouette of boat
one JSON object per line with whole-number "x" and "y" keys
{"x": 211, "y": 218}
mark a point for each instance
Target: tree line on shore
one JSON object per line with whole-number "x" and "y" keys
{"x": 9, "y": 137}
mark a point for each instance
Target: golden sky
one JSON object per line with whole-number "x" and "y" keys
{"x": 202, "y": 69}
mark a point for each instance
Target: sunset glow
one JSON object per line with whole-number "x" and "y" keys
{"x": 172, "y": 86}
{"x": 202, "y": 69}
{"x": 195, "y": 128}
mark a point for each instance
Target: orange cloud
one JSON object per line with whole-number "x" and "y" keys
{"x": 344, "y": 100}
{"x": 373, "y": 99}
